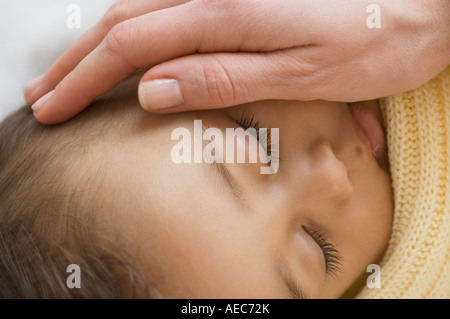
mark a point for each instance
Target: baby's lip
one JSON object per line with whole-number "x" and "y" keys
{"x": 367, "y": 123}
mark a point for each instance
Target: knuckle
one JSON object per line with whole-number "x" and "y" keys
{"x": 117, "y": 13}
{"x": 219, "y": 84}
{"x": 303, "y": 72}
{"x": 235, "y": 14}
{"x": 230, "y": 10}
{"x": 228, "y": 7}
{"x": 119, "y": 39}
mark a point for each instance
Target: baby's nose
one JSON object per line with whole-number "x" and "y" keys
{"x": 327, "y": 175}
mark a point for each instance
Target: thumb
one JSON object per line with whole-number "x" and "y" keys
{"x": 210, "y": 81}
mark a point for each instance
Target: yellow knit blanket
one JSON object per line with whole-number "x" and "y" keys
{"x": 417, "y": 261}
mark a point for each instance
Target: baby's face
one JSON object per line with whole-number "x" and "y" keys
{"x": 198, "y": 239}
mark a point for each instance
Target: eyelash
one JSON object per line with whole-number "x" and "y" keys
{"x": 247, "y": 121}
{"x": 331, "y": 254}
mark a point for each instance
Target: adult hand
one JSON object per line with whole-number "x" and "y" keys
{"x": 206, "y": 54}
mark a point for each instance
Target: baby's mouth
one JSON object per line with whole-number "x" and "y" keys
{"x": 370, "y": 130}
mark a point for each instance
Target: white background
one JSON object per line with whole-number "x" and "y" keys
{"x": 33, "y": 33}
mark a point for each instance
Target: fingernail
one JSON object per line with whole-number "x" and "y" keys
{"x": 42, "y": 101}
{"x": 160, "y": 94}
{"x": 32, "y": 85}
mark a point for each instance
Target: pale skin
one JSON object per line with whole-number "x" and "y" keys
{"x": 224, "y": 53}
{"x": 197, "y": 240}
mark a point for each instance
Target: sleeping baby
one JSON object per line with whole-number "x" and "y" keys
{"x": 354, "y": 185}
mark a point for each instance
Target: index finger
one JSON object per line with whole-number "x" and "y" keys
{"x": 131, "y": 45}
{"x": 119, "y": 12}
{"x": 139, "y": 43}
{"x": 147, "y": 40}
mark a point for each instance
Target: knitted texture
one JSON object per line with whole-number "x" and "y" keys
{"x": 416, "y": 263}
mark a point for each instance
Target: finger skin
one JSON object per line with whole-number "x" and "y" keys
{"x": 198, "y": 26}
{"x": 210, "y": 81}
{"x": 143, "y": 42}
{"x": 119, "y": 55}
{"x": 119, "y": 12}
{"x": 302, "y": 50}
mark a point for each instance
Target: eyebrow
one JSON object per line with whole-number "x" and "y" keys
{"x": 293, "y": 286}
{"x": 234, "y": 186}
{"x": 225, "y": 173}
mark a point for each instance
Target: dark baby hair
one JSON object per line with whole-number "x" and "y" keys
{"x": 51, "y": 211}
